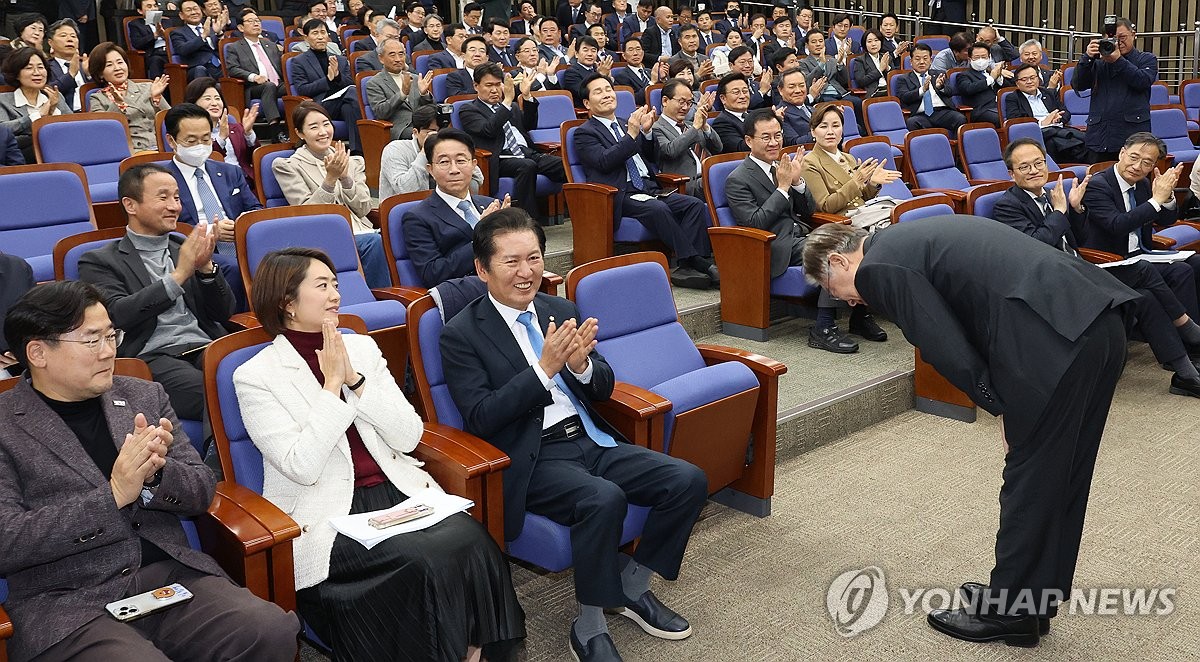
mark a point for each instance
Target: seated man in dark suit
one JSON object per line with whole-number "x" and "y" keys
{"x": 531, "y": 65}
{"x": 1124, "y": 206}
{"x": 10, "y": 151}
{"x": 797, "y": 107}
{"x": 592, "y": 15}
{"x": 522, "y": 369}
{"x": 614, "y": 20}
{"x": 16, "y": 278}
{"x": 783, "y": 38}
{"x": 1031, "y": 53}
{"x": 781, "y": 204}
{"x": 497, "y": 123}
{"x": 619, "y": 152}
{"x": 462, "y": 81}
{"x": 923, "y": 93}
{"x": 151, "y": 40}
{"x": 322, "y": 76}
{"x": 1057, "y": 219}
{"x": 499, "y": 50}
{"x": 742, "y": 60}
{"x": 1065, "y": 144}
{"x": 568, "y": 13}
{"x": 734, "y": 94}
{"x": 633, "y": 73}
{"x": 979, "y": 84}
{"x": 95, "y": 473}
{"x": 195, "y": 43}
{"x": 587, "y": 63}
{"x": 452, "y": 57}
{"x": 551, "y": 47}
{"x": 639, "y": 21}
{"x": 437, "y": 232}
{"x": 165, "y": 293}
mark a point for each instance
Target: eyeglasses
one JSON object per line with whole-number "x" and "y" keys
{"x": 683, "y": 101}
{"x": 1027, "y": 79}
{"x": 771, "y": 137}
{"x": 445, "y": 164}
{"x": 115, "y": 338}
{"x": 1031, "y": 167}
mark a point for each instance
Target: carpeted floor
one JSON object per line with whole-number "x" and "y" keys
{"x": 916, "y": 497}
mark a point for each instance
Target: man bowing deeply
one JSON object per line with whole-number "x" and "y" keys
{"x": 1047, "y": 359}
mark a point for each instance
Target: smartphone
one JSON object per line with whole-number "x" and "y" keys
{"x": 400, "y": 516}
{"x": 144, "y": 604}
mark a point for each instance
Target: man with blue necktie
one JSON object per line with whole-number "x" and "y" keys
{"x": 522, "y": 369}
{"x": 923, "y": 93}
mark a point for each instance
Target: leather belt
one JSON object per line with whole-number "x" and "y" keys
{"x": 568, "y": 429}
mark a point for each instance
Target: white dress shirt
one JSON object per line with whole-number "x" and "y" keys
{"x": 1135, "y": 237}
{"x": 453, "y": 202}
{"x": 189, "y": 177}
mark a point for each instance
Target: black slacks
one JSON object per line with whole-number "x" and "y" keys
{"x": 942, "y": 118}
{"x": 524, "y": 172}
{"x": 680, "y": 221}
{"x": 1157, "y": 310}
{"x": 182, "y": 378}
{"x": 1048, "y": 474}
{"x": 1184, "y": 280}
{"x": 587, "y": 487}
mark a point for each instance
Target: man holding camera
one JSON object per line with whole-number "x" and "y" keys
{"x": 1119, "y": 77}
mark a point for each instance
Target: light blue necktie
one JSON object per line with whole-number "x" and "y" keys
{"x": 597, "y": 435}
{"x": 208, "y": 199}
{"x": 635, "y": 175}
{"x": 927, "y": 101}
{"x": 469, "y": 214}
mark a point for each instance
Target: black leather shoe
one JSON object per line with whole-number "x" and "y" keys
{"x": 1181, "y": 386}
{"x": 1013, "y": 630}
{"x": 867, "y": 327}
{"x": 970, "y": 589}
{"x": 714, "y": 276}
{"x": 689, "y": 278}
{"x": 656, "y": 618}
{"x": 831, "y": 340}
{"x": 599, "y": 648}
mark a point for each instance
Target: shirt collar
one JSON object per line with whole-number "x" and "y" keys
{"x": 145, "y": 243}
{"x": 1124, "y": 185}
{"x": 451, "y": 200}
{"x": 510, "y": 314}
{"x": 20, "y": 100}
{"x": 188, "y": 172}
{"x": 766, "y": 167}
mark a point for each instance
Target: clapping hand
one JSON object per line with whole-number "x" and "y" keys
{"x": 1053, "y": 118}
{"x": 159, "y": 85}
{"x": 1163, "y": 187}
{"x": 1058, "y": 197}
{"x": 331, "y": 72}
{"x": 337, "y": 161}
{"x": 497, "y": 205}
{"x": 865, "y": 170}
{"x": 196, "y": 253}
{"x": 559, "y": 346}
{"x": 142, "y": 454}
{"x": 788, "y": 169}
{"x": 1077, "y": 192}
{"x": 585, "y": 342}
{"x": 223, "y": 126}
{"x": 425, "y": 83}
{"x": 604, "y": 66}
{"x": 706, "y": 103}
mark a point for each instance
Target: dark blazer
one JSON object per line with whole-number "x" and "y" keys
{"x": 506, "y": 58}
{"x": 65, "y": 547}
{"x": 652, "y": 42}
{"x": 192, "y": 50}
{"x": 16, "y": 278}
{"x": 1121, "y": 101}
{"x": 134, "y": 300}
{"x": 550, "y": 56}
{"x": 519, "y": 26}
{"x": 1019, "y": 211}
{"x": 565, "y": 19}
{"x": 309, "y": 79}
{"x": 442, "y": 60}
{"x": 1005, "y": 342}
{"x": 603, "y": 157}
{"x": 458, "y": 82}
{"x": 908, "y": 91}
{"x": 1109, "y": 225}
{"x": 367, "y": 44}
{"x": 731, "y": 131}
{"x": 866, "y": 74}
{"x": 1016, "y": 105}
{"x": 624, "y": 76}
{"x": 439, "y": 240}
{"x": 141, "y": 37}
{"x": 796, "y": 129}
{"x": 755, "y": 202}
{"x": 572, "y": 77}
{"x": 973, "y": 87}
{"x": 487, "y": 128}
{"x": 502, "y": 399}
{"x": 10, "y": 152}
{"x": 613, "y": 26}
{"x": 631, "y": 26}
{"x": 227, "y": 181}
{"x": 65, "y": 82}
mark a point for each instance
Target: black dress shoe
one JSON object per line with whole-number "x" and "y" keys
{"x": 689, "y": 278}
{"x": 714, "y": 276}
{"x": 831, "y": 340}
{"x": 1181, "y": 386}
{"x": 656, "y": 618}
{"x": 599, "y": 648}
{"x": 1013, "y": 630}
{"x": 970, "y": 589}
{"x": 867, "y": 327}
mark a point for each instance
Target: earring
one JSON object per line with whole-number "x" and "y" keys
{"x": 292, "y": 314}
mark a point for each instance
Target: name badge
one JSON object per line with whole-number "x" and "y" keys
{"x": 118, "y": 403}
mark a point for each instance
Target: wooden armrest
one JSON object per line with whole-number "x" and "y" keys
{"x": 592, "y": 209}
{"x": 742, "y": 233}
{"x": 235, "y": 504}
{"x": 636, "y": 413}
{"x": 822, "y": 218}
{"x": 590, "y": 188}
{"x": 548, "y": 148}
{"x": 550, "y": 282}
{"x": 6, "y": 628}
{"x": 463, "y": 453}
{"x": 245, "y": 320}
{"x": 581, "y": 113}
{"x": 953, "y": 194}
{"x": 670, "y": 180}
{"x": 761, "y": 365}
{"x": 980, "y": 182}
{"x": 1161, "y": 243}
{"x": 1069, "y": 174}
{"x": 1098, "y": 257}
{"x": 404, "y": 295}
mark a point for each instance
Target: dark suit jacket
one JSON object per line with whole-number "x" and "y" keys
{"x": 1019, "y": 211}
{"x": 631, "y": 25}
{"x": 439, "y": 240}
{"x": 566, "y": 20}
{"x": 624, "y": 76}
{"x": 65, "y": 547}
{"x": 613, "y": 26}
{"x": 908, "y": 91}
{"x": 458, "y": 82}
{"x": 603, "y": 157}
{"x": 487, "y": 128}
{"x": 16, "y": 278}
{"x": 796, "y": 130}
{"x": 226, "y": 180}
{"x": 732, "y": 132}
{"x": 1006, "y": 342}
{"x": 65, "y": 81}
{"x": 975, "y": 92}
{"x": 1016, "y": 105}
{"x": 866, "y": 74}
{"x": 309, "y": 79}
{"x": 572, "y": 77}
{"x": 507, "y": 59}
{"x": 501, "y": 398}
{"x": 756, "y": 203}
{"x": 367, "y": 44}
{"x": 1109, "y": 225}
{"x": 1121, "y": 98}
{"x": 519, "y": 26}
{"x": 442, "y": 60}
{"x": 10, "y": 152}
{"x": 652, "y": 42}
{"x": 142, "y": 37}
{"x": 134, "y": 300}
{"x": 192, "y": 50}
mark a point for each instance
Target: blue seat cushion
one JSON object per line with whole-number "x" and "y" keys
{"x": 1182, "y": 234}
{"x": 792, "y": 284}
{"x": 378, "y": 314}
{"x": 700, "y": 387}
{"x": 103, "y": 192}
{"x": 547, "y": 544}
{"x": 43, "y": 267}
{"x": 631, "y": 230}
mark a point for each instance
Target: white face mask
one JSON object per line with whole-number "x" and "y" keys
{"x": 981, "y": 65}
{"x": 195, "y": 155}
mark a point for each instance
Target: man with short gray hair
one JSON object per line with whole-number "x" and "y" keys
{"x": 394, "y": 93}
{"x": 1046, "y": 359}
{"x": 1033, "y": 53}
{"x": 373, "y": 59}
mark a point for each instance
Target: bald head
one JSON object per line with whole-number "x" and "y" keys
{"x": 663, "y": 16}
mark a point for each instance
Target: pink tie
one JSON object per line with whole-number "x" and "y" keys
{"x": 264, "y": 63}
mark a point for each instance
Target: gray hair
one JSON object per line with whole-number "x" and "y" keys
{"x": 383, "y": 44}
{"x": 1147, "y": 138}
{"x": 61, "y": 23}
{"x": 382, "y": 21}
{"x": 1032, "y": 42}
{"x": 824, "y": 242}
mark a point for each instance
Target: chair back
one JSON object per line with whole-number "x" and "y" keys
{"x": 361, "y": 79}
{"x": 68, "y": 250}
{"x": 1027, "y": 127}
{"x": 979, "y": 147}
{"x": 274, "y": 26}
{"x": 937, "y": 42}
{"x": 654, "y": 96}
{"x": 288, "y": 67}
{"x": 42, "y": 204}
{"x": 715, "y": 170}
{"x": 1001, "y": 98}
{"x": 626, "y": 101}
{"x": 893, "y": 78}
{"x": 880, "y": 149}
{"x": 571, "y": 163}
{"x": 922, "y": 207}
{"x": 982, "y": 199}
{"x": 885, "y": 117}
{"x": 160, "y": 131}
{"x": 265, "y": 183}
{"x": 391, "y": 212}
{"x": 1189, "y": 96}
{"x": 424, "y": 345}
{"x": 456, "y": 104}
{"x": 952, "y": 85}
{"x": 849, "y": 120}
{"x": 1160, "y": 94}
{"x": 96, "y": 141}
{"x": 1079, "y": 106}
{"x": 439, "y": 84}
{"x": 1170, "y": 124}
{"x": 555, "y": 108}
{"x": 932, "y": 160}
{"x": 421, "y": 61}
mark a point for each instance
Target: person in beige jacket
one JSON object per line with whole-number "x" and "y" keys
{"x": 335, "y": 430}
{"x": 322, "y": 172}
{"x": 138, "y": 102}
{"x": 839, "y": 182}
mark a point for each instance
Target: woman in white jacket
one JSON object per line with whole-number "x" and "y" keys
{"x": 334, "y": 431}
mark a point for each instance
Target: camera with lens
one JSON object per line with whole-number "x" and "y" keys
{"x": 1108, "y": 44}
{"x": 444, "y": 112}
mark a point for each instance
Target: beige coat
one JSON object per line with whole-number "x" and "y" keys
{"x": 832, "y": 185}
{"x": 302, "y": 174}
{"x": 140, "y": 112}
